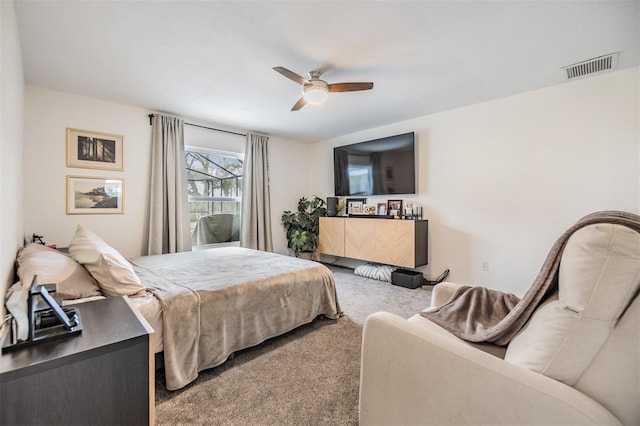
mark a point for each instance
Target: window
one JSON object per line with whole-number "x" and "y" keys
{"x": 360, "y": 179}
{"x": 215, "y": 187}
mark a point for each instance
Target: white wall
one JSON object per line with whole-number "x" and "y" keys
{"x": 289, "y": 177}
{"x": 501, "y": 180}
{"x": 48, "y": 114}
{"x": 11, "y": 143}
{"x": 211, "y": 139}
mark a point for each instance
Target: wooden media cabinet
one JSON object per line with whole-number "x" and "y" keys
{"x": 397, "y": 242}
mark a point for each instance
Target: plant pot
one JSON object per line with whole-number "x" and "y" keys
{"x": 307, "y": 255}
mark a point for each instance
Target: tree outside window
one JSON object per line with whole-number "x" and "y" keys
{"x": 214, "y": 185}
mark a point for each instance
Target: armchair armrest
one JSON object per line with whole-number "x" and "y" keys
{"x": 442, "y": 292}
{"x": 412, "y": 375}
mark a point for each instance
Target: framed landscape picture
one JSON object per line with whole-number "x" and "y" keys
{"x": 95, "y": 195}
{"x": 91, "y": 150}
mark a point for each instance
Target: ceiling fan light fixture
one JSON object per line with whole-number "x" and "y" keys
{"x": 315, "y": 92}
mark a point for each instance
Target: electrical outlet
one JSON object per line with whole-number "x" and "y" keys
{"x": 484, "y": 265}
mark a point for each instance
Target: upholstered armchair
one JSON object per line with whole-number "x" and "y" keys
{"x": 216, "y": 228}
{"x": 576, "y": 361}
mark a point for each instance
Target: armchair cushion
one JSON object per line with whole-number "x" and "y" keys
{"x": 599, "y": 275}
{"x": 479, "y": 314}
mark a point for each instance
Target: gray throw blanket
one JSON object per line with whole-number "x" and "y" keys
{"x": 477, "y": 314}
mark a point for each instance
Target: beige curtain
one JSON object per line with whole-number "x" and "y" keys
{"x": 255, "y": 231}
{"x": 168, "y": 208}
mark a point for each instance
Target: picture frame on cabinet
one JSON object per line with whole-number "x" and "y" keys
{"x": 394, "y": 207}
{"x": 355, "y": 204}
{"x": 95, "y": 195}
{"x": 369, "y": 209}
{"x": 92, "y": 150}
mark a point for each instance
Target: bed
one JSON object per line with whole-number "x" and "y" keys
{"x": 203, "y": 305}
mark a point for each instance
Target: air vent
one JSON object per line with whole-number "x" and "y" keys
{"x": 592, "y": 66}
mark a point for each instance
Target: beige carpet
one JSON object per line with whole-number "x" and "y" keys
{"x": 309, "y": 376}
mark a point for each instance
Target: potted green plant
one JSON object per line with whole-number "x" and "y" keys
{"x": 302, "y": 226}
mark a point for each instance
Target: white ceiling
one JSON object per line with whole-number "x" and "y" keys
{"x": 212, "y": 60}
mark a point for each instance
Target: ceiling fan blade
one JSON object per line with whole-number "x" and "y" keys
{"x": 301, "y": 102}
{"x": 291, "y": 75}
{"x": 349, "y": 87}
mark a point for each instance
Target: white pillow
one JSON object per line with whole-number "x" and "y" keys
{"x": 72, "y": 280}
{"x": 598, "y": 277}
{"x": 114, "y": 273}
{"x": 16, "y": 304}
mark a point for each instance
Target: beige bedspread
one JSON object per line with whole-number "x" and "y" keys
{"x": 221, "y": 300}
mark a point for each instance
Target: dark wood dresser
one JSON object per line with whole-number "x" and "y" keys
{"x": 105, "y": 375}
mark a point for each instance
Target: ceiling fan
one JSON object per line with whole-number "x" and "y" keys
{"x": 314, "y": 90}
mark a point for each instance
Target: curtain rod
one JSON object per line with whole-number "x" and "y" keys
{"x": 203, "y": 127}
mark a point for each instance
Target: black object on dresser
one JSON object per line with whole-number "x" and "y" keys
{"x": 332, "y": 206}
{"x": 102, "y": 376}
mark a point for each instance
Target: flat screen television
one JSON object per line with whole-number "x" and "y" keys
{"x": 377, "y": 167}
